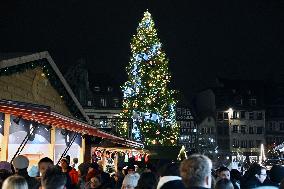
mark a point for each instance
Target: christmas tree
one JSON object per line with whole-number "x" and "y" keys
{"x": 147, "y": 99}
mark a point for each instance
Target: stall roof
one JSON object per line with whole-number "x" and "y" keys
{"x": 44, "y": 115}
{"x": 8, "y": 60}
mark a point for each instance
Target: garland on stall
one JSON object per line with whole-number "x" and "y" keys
{"x": 53, "y": 79}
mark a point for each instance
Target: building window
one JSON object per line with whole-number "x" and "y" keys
{"x": 89, "y": 103}
{"x": 115, "y": 102}
{"x": 258, "y": 143}
{"x": 243, "y": 144}
{"x": 259, "y": 130}
{"x": 252, "y": 102}
{"x": 281, "y": 126}
{"x": 243, "y": 129}
{"x": 243, "y": 114}
{"x": 220, "y": 116}
{"x": 259, "y": 116}
{"x": 236, "y": 115}
{"x": 103, "y": 121}
{"x": 272, "y": 126}
{"x": 187, "y": 112}
{"x": 226, "y": 115}
{"x": 250, "y": 130}
{"x": 237, "y": 144}
{"x": 235, "y": 128}
{"x": 103, "y": 102}
{"x": 178, "y": 111}
{"x": 251, "y": 115}
{"x": 251, "y": 144}
{"x": 109, "y": 89}
{"x": 183, "y": 111}
{"x": 97, "y": 88}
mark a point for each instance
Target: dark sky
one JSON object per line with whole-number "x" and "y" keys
{"x": 202, "y": 39}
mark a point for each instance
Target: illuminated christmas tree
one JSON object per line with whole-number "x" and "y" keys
{"x": 147, "y": 99}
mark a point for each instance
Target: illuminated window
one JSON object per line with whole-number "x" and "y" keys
{"x": 252, "y": 102}
{"x": 89, "y": 103}
{"x": 97, "y": 88}
{"x": 103, "y": 102}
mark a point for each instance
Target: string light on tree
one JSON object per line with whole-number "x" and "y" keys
{"x": 147, "y": 99}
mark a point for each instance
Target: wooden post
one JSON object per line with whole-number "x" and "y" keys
{"x": 52, "y": 143}
{"x": 82, "y": 150}
{"x": 88, "y": 148}
{"x": 5, "y": 141}
{"x": 115, "y": 161}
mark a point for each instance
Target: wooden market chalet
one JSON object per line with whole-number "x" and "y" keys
{"x": 34, "y": 91}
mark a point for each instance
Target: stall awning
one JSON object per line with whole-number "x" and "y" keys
{"x": 44, "y": 115}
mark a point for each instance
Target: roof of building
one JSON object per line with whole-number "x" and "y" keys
{"x": 9, "y": 60}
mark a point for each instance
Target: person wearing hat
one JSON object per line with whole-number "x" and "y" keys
{"x": 21, "y": 164}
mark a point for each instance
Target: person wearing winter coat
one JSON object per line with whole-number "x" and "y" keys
{"x": 170, "y": 177}
{"x": 130, "y": 181}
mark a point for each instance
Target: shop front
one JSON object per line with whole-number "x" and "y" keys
{"x": 36, "y": 132}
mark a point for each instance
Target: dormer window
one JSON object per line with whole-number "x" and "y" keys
{"x": 252, "y": 102}
{"x": 97, "y": 88}
{"x": 89, "y": 103}
{"x": 109, "y": 89}
{"x": 116, "y": 102}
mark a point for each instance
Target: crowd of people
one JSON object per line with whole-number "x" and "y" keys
{"x": 195, "y": 172}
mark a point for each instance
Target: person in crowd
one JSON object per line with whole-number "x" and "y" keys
{"x": 15, "y": 182}
{"x": 224, "y": 184}
{"x": 94, "y": 183}
{"x": 130, "y": 181}
{"x": 196, "y": 172}
{"x": 65, "y": 168}
{"x": 118, "y": 178}
{"x": 53, "y": 178}
{"x": 82, "y": 173}
{"x": 236, "y": 178}
{"x": 281, "y": 184}
{"x": 147, "y": 180}
{"x": 75, "y": 163}
{"x": 276, "y": 175}
{"x": 92, "y": 171}
{"x": 21, "y": 164}
{"x": 170, "y": 177}
{"x": 223, "y": 173}
{"x": 105, "y": 177}
{"x": 254, "y": 177}
{"x": 44, "y": 164}
{"x": 5, "y": 171}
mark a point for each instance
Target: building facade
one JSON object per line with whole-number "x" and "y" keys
{"x": 239, "y": 115}
{"x": 188, "y": 128}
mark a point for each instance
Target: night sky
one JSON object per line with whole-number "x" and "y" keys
{"x": 240, "y": 39}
